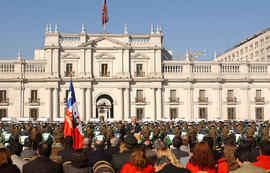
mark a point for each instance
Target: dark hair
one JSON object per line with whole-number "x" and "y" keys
{"x": 79, "y": 159}
{"x": 147, "y": 145}
{"x": 230, "y": 140}
{"x": 28, "y": 142}
{"x": 68, "y": 141}
{"x": 209, "y": 140}
{"x": 5, "y": 157}
{"x": 265, "y": 147}
{"x": 242, "y": 154}
{"x": 251, "y": 141}
{"x": 44, "y": 149}
{"x": 177, "y": 142}
{"x": 16, "y": 148}
{"x": 99, "y": 145}
{"x": 161, "y": 160}
{"x": 202, "y": 156}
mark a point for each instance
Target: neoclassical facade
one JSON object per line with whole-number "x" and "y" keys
{"x": 119, "y": 75}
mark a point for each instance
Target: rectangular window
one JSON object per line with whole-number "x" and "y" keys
{"x": 203, "y": 113}
{"x": 34, "y": 96}
{"x": 68, "y": 70}
{"x": 104, "y": 70}
{"x": 139, "y": 70}
{"x": 230, "y": 95}
{"x": 3, "y": 113}
{"x": 173, "y": 113}
{"x": 231, "y": 113}
{"x": 259, "y": 114}
{"x": 66, "y": 98}
{"x": 34, "y": 114}
{"x": 139, "y": 113}
{"x": 258, "y": 93}
{"x": 202, "y": 95}
{"x": 3, "y": 96}
{"x": 173, "y": 95}
{"x": 140, "y": 96}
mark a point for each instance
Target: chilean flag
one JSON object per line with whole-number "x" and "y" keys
{"x": 105, "y": 17}
{"x": 72, "y": 124}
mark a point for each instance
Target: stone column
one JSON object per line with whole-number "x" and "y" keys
{"x": 121, "y": 106}
{"x": 248, "y": 102}
{"x": 49, "y": 103}
{"x": 22, "y": 101}
{"x": 159, "y": 104}
{"x": 82, "y": 104}
{"x": 220, "y": 102}
{"x": 153, "y": 104}
{"x": 127, "y": 103}
{"x": 191, "y": 102}
{"x": 55, "y": 103}
{"x": 88, "y": 103}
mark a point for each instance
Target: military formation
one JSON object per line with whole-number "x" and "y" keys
{"x": 165, "y": 131}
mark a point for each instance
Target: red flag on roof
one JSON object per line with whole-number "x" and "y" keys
{"x": 105, "y": 17}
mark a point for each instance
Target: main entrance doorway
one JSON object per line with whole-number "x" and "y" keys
{"x": 104, "y": 107}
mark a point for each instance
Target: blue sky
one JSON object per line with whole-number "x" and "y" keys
{"x": 198, "y": 24}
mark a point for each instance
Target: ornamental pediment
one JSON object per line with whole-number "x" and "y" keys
{"x": 105, "y": 42}
{"x": 105, "y": 56}
{"x": 139, "y": 56}
{"x": 69, "y": 56}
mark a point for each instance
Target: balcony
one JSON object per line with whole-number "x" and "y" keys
{"x": 231, "y": 100}
{"x": 139, "y": 74}
{"x": 4, "y": 102}
{"x": 203, "y": 100}
{"x": 174, "y": 100}
{"x": 104, "y": 74}
{"x": 259, "y": 100}
{"x": 140, "y": 100}
{"x": 69, "y": 74}
{"x": 34, "y": 102}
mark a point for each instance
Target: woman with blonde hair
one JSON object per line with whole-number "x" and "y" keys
{"x": 6, "y": 165}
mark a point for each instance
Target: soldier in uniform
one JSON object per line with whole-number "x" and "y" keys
{"x": 265, "y": 133}
{"x": 213, "y": 134}
{"x": 146, "y": 132}
{"x": 249, "y": 131}
{"x": 156, "y": 132}
{"x": 56, "y": 147}
{"x": 177, "y": 131}
{"x": 109, "y": 133}
{"x": 89, "y": 132}
{"x": 191, "y": 134}
{"x": 225, "y": 132}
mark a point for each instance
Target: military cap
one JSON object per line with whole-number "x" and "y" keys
{"x": 130, "y": 141}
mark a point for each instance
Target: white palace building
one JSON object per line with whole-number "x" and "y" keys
{"x": 117, "y": 76}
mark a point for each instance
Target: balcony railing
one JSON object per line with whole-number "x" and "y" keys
{"x": 174, "y": 99}
{"x": 203, "y": 100}
{"x": 231, "y": 100}
{"x": 139, "y": 74}
{"x": 259, "y": 100}
{"x": 69, "y": 74}
{"x": 104, "y": 74}
{"x": 33, "y": 101}
{"x": 4, "y": 102}
{"x": 140, "y": 100}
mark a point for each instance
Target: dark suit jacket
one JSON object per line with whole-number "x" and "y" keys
{"x": 179, "y": 153}
{"x": 99, "y": 155}
{"x": 113, "y": 150}
{"x": 118, "y": 160}
{"x": 130, "y": 127}
{"x": 66, "y": 154}
{"x": 171, "y": 168}
{"x": 42, "y": 165}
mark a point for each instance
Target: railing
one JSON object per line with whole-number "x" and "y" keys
{"x": 139, "y": 74}
{"x": 32, "y": 100}
{"x": 104, "y": 74}
{"x": 174, "y": 99}
{"x": 203, "y": 99}
{"x": 4, "y": 102}
{"x": 204, "y": 68}
{"x": 140, "y": 100}
{"x": 231, "y": 100}
{"x": 259, "y": 100}
{"x": 257, "y": 69}
{"x": 173, "y": 68}
{"x": 69, "y": 39}
{"x": 138, "y": 40}
{"x": 6, "y": 68}
{"x": 228, "y": 68}
{"x": 69, "y": 74}
{"x": 34, "y": 68}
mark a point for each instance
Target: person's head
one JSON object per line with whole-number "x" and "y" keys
{"x": 28, "y": 142}
{"x": 133, "y": 119}
{"x": 68, "y": 141}
{"x": 162, "y": 161}
{"x": 44, "y": 149}
{"x": 265, "y": 147}
{"x": 185, "y": 140}
{"x": 114, "y": 142}
{"x": 167, "y": 152}
{"x": 16, "y": 148}
{"x": 138, "y": 159}
{"x": 209, "y": 141}
{"x": 79, "y": 159}
{"x": 230, "y": 140}
{"x": 202, "y": 156}
{"x": 251, "y": 141}
{"x": 4, "y": 157}
{"x": 86, "y": 143}
{"x": 130, "y": 142}
{"x": 242, "y": 155}
{"x": 147, "y": 144}
{"x": 158, "y": 144}
{"x": 99, "y": 145}
{"x": 58, "y": 139}
{"x": 177, "y": 142}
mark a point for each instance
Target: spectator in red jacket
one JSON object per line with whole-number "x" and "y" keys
{"x": 138, "y": 163}
{"x": 263, "y": 160}
{"x": 202, "y": 159}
